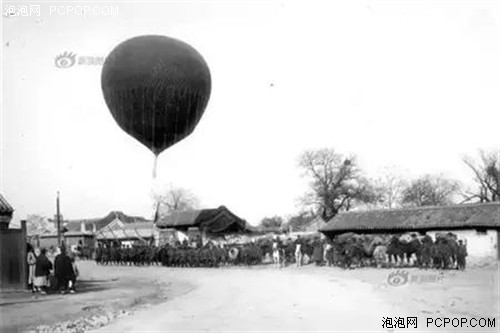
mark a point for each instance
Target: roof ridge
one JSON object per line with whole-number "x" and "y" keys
{"x": 476, "y": 204}
{"x": 461, "y": 216}
{"x": 5, "y": 204}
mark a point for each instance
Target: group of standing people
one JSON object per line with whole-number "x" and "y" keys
{"x": 43, "y": 276}
{"x": 178, "y": 254}
{"x": 299, "y": 251}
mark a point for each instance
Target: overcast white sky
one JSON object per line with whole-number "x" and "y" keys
{"x": 409, "y": 83}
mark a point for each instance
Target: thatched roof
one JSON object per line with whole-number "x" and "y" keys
{"x": 486, "y": 215}
{"x": 5, "y": 207}
{"x": 212, "y": 220}
{"x": 185, "y": 219}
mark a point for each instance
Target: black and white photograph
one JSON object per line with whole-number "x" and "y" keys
{"x": 250, "y": 166}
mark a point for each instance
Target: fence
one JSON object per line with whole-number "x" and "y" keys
{"x": 13, "y": 265}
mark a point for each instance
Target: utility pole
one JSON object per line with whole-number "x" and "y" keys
{"x": 58, "y": 221}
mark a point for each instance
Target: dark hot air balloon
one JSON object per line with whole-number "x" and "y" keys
{"x": 156, "y": 88}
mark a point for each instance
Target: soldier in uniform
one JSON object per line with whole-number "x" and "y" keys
{"x": 143, "y": 255}
{"x": 171, "y": 256}
{"x": 426, "y": 252}
{"x": 105, "y": 254}
{"x": 134, "y": 255}
{"x": 442, "y": 253}
{"x": 223, "y": 256}
{"x": 98, "y": 254}
{"x": 317, "y": 252}
{"x": 461, "y": 255}
{"x": 183, "y": 254}
{"x": 175, "y": 255}
{"x": 278, "y": 259}
{"x": 127, "y": 254}
{"x": 113, "y": 254}
{"x": 288, "y": 251}
{"x": 298, "y": 251}
{"x": 192, "y": 257}
{"x": 328, "y": 252}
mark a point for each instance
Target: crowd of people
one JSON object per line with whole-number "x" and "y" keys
{"x": 179, "y": 254}
{"x": 347, "y": 251}
{"x": 45, "y": 276}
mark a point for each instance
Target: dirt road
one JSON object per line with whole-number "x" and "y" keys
{"x": 313, "y": 299}
{"x": 262, "y": 299}
{"x": 258, "y": 299}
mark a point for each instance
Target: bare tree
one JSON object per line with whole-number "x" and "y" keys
{"x": 39, "y": 225}
{"x": 336, "y": 182}
{"x": 486, "y": 176}
{"x": 175, "y": 199}
{"x": 299, "y": 221}
{"x": 390, "y": 186}
{"x": 271, "y": 222}
{"x": 430, "y": 190}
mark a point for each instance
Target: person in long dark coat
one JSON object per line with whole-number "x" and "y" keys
{"x": 462, "y": 253}
{"x": 318, "y": 252}
{"x": 98, "y": 254}
{"x": 426, "y": 252}
{"x": 43, "y": 267}
{"x": 63, "y": 270}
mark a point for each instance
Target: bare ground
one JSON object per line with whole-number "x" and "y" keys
{"x": 262, "y": 299}
{"x": 104, "y": 294}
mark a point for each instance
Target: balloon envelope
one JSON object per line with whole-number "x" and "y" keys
{"x": 156, "y": 88}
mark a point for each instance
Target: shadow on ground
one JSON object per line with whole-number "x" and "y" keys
{"x": 13, "y": 297}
